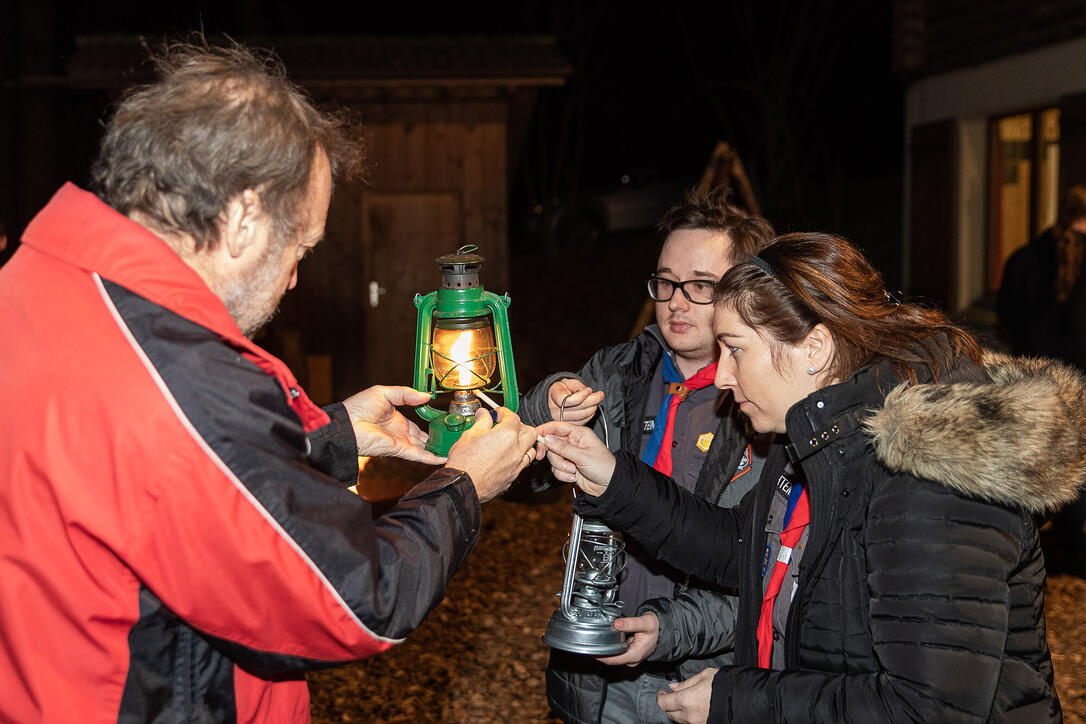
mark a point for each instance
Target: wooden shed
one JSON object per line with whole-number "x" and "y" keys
{"x": 445, "y": 118}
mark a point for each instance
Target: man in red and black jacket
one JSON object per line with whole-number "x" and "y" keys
{"x": 176, "y": 540}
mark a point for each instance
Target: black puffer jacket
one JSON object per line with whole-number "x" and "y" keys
{"x": 575, "y": 683}
{"x": 921, "y": 594}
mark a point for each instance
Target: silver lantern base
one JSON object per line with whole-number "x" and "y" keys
{"x": 594, "y": 636}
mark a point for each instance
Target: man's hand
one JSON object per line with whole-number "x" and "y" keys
{"x": 645, "y": 630}
{"x": 689, "y": 702}
{"x": 382, "y": 431}
{"x": 578, "y": 456}
{"x": 494, "y": 454}
{"x": 572, "y": 401}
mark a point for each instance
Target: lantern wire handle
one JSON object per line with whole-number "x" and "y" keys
{"x": 603, "y": 419}
{"x": 575, "y": 532}
{"x": 574, "y": 539}
{"x": 562, "y": 408}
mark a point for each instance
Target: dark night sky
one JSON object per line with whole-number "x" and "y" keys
{"x": 802, "y": 88}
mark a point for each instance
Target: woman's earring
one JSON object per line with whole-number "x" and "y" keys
{"x": 811, "y": 370}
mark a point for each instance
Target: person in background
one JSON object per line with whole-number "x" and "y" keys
{"x": 178, "y": 540}
{"x": 1042, "y": 312}
{"x": 654, "y": 398}
{"x": 892, "y": 570}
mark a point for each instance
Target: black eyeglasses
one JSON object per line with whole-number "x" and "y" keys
{"x": 696, "y": 291}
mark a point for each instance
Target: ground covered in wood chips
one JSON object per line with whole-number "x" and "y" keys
{"x": 1065, "y": 599}
{"x": 479, "y": 658}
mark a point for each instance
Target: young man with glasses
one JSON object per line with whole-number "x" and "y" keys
{"x": 655, "y": 397}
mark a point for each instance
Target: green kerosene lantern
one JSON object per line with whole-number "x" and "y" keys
{"x": 461, "y": 341}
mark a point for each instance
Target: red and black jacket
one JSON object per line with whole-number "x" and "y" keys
{"x": 172, "y": 545}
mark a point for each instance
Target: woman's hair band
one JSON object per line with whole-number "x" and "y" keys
{"x": 763, "y": 265}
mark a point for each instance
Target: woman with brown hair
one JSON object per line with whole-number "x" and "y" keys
{"x": 887, "y": 563}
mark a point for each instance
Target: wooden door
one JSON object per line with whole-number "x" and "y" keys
{"x": 932, "y": 252}
{"x": 402, "y": 235}
{"x": 1072, "y": 141}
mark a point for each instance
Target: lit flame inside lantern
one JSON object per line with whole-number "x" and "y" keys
{"x": 461, "y": 354}
{"x": 464, "y": 358}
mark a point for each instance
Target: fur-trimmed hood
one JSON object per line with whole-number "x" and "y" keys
{"x": 1019, "y": 440}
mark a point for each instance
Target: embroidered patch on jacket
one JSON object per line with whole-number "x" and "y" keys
{"x": 784, "y": 487}
{"x": 744, "y": 465}
{"x": 704, "y": 441}
{"x": 648, "y": 424}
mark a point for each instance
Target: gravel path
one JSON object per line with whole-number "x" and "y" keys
{"x": 479, "y": 658}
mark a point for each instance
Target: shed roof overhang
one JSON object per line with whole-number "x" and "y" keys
{"x": 458, "y": 65}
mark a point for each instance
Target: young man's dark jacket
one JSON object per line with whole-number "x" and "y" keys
{"x": 921, "y": 592}
{"x": 575, "y": 683}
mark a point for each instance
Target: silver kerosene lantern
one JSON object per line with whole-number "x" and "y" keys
{"x": 595, "y": 555}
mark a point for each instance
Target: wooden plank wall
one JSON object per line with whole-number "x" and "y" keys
{"x": 443, "y": 147}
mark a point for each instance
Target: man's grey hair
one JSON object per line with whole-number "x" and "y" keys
{"x": 218, "y": 121}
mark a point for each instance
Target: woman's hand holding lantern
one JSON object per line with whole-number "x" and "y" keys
{"x": 577, "y": 456}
